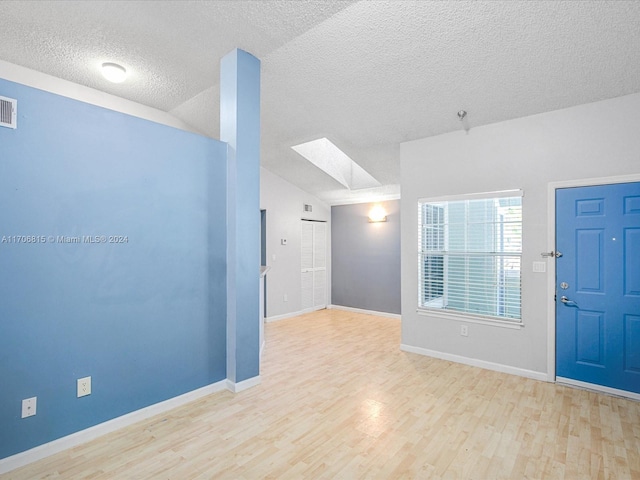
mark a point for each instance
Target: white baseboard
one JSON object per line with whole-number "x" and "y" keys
{"x": 366, "y": 312}
{"x": 243, "y": 385}
{"x": 498, "y": 367}
{"x": 56, "y": 446}
{"x": 597, "y": 388}
{"x": 275, "y": 318}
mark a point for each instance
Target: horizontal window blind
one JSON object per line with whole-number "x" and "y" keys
{"x": 469, "y": 255}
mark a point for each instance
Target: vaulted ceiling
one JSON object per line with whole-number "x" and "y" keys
{"x": 367, "y": 75}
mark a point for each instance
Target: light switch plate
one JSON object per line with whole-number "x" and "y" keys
{"x": 539, "y": 267}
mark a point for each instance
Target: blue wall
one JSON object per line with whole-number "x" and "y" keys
{"x": 365, "y": 258}
{"x": 145, "y": 319}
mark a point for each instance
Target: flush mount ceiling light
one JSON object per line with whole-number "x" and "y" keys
{"x": 113, "y": 72}
{"x": 334, "y": 162}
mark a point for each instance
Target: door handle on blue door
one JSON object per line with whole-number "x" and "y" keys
{"x": 567, "y": 302}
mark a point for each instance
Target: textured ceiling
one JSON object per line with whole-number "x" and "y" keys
{"x": 367, "y": 74}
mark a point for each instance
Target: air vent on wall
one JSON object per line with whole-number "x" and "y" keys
{"x": 8, "y": 112}
{"x": 308, "y": 208}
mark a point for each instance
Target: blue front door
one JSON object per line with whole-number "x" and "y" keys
{"x": 598, "y": 285}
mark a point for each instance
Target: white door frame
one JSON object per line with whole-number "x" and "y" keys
{"x": 551, "y": 271}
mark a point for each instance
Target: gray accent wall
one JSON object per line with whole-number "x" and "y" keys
{"x": 365, "y": 258}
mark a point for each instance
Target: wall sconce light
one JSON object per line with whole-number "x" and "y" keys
{"x": 377, "y": 214}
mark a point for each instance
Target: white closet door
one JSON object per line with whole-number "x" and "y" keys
{"x": 320, "y": 245}
{"x": 319, "y": 265}
{"x": 307, "y": 246}
{"x": 319, "y": 289}
{"x": 307, "y": 290}
{"x": 314, "y": 265}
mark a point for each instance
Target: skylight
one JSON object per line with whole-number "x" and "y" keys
{"x": 334, "y": 162}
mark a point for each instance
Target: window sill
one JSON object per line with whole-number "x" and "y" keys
{"x": 468, "y": 318}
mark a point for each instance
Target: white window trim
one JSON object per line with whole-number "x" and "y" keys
{"x": 473, "y": 196}
{"x": 462, "y": 316}
{"x": 469, "y": 318}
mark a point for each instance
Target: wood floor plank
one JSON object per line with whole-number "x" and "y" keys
{"x": 339, "y": 400}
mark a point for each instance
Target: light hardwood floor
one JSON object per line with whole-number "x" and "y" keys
{"x": 339, "y": 400}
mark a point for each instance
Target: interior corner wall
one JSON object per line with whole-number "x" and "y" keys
{"x": 365, "y": 257}
{"x": 112, "y": 258}
{"x": 283, "y": 203}
{"x": 587, "y": 141}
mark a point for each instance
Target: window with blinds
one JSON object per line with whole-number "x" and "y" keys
{"x": 469, "y": 255}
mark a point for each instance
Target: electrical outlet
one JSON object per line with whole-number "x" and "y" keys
{"x": 464, "y": 330}
{"x": 84, "y": 386}
{"x": 29, "y": 407}
{"x": 285, "y": 298}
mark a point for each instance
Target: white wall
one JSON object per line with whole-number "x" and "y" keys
{"x": 600, "y": 139}
{"x": 284, "y": 205}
